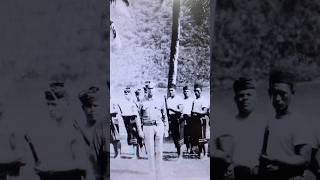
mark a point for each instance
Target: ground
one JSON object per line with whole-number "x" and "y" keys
{"x": 188, "y": 169}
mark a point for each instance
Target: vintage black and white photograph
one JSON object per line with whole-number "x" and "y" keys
{"x": 266, "y": 82}
{"x": 53, "y": 95}
{"x": 159, "y": 89}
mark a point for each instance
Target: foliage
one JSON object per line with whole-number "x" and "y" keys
{"x": 254, "y": 36}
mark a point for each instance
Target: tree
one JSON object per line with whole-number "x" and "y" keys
{"x": 199, "y": 10}
{"x": 174, "y": 49}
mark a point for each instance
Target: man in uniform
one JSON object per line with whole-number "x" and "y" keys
{"x": 198, "y": 121}
{"x": 238, "y": 140}
{"x": 96, "y": 130}
{"x": 289, "y": 139}
{"x": 139, "y": 97}
{"x": 131, "y": 119}
{"x": 56, "y": 147}
{"x": 12, "y": 159}
{"x": 176, "y": 125}
{"x": 155, "y": 127}
{"x": 114, "y": 130}
{"x": 186, "y": 115}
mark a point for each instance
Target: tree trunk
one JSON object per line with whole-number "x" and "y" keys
{"x": 174, "y": 49}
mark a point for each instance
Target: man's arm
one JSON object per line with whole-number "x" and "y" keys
{"x": 165, "y": 119}
{"x": 301, "y": 159}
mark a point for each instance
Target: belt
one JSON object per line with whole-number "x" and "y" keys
{"x": 153, "y": 123}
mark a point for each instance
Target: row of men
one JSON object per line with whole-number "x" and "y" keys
{"x": 248, "y": 147}
{"x": 61, "y": 148}
{"x": 148, "y": 119}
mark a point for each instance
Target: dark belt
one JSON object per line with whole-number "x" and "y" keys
{"x": 153, "y": 123}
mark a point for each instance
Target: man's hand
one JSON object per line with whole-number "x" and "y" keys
{"x": 267, "y": 159}
{"x": 271, "y": 163}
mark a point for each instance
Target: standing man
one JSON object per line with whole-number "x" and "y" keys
{"x": 139, "y": 96}
{"x": 176, "y": 124}
{"x": 187, "y": 102}
{"x": 131, "y": 119}
{"x": 56, "y": 147}
{"x": 95, "y": 132}
{"x": 243, "y": 132}
{"x": 198, "y": 122}
{"x": 155, "y": 126}
{"x": 289, "y": 141}
{"x": 114, "y": 130}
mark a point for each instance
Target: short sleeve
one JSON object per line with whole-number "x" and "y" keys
{"x": 302, "y": 134}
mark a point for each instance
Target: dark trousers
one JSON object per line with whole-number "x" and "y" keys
{"x": 131, "y": 127}
{"x": 9, "y": 170}
{"x": 198, "y": 125}
{"x": 132, "y": 130}
{"x": 187, "y": 129}
{"x": 177, "y": 128}
{"x": 114, "y": 130}
{"x": 62, "y": 175}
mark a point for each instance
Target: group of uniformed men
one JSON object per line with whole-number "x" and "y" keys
{"x": 59, "y": 147}
{"x": 149, "y": 118}
{"x": 249, "y": 147}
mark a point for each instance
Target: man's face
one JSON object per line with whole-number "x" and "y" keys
{"x": 55, "y": 111}
{"x": 245, "y": 100}
{"x": 186, "y": 93}
{"x": 172, "y": 92}
{"x": 150, "y": 92}
{"x": 138, "y": 96}
{"x": 127, "y": 94}
{"x": 197, "y": 92}
{"x": 91, "y": 112}
{"x": 281, "y": 96}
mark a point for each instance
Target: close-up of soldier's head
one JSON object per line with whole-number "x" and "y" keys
{"x": 281, "y": 90}
{"x": 186, "y": 91}
{"x": 57, "y": 87}
{"x": 150, "y": 89}
{"x": 90, "y": 104}
{"x": 245, "y": 95}
{"x": 55, "y": 111}
{"x": 127, "y": 92}
{"x": 139, "y": 94}
{"x": 172, "y": 90}
{"x": 197, "y": 90}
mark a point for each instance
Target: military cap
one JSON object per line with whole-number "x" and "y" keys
{"x": 150, "y": 85}
{"x": 88, "y": 97}
{"x": 197, "y": 85}
{"x": 127, "y": 89}
{"x": 243, "y": 83}
{"x": 145, "y": 85}
{"x": 56, "y": 84}
{"x": 57, "y": 87}
{"x": 49, "y": 96}
{"x": 138, "y": 91}
{"x": 172, "y": 86}
{"x": 281, "y": 76}
{"x": 186, "y": 87}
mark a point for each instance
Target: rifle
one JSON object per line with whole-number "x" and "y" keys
{"x": 166, "y": 104}
{"x": 263, "y": 164}
{"x": 33, "y": 151}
